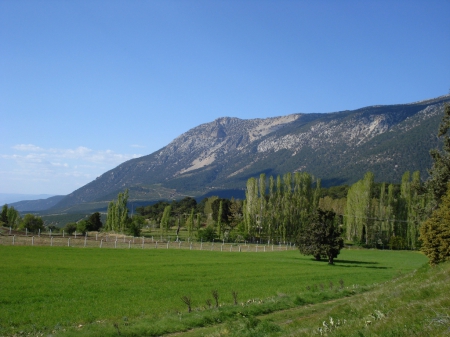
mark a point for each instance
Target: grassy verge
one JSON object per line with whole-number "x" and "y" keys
{"x": 86, "y": 291}
{"x": 415, "y": 304}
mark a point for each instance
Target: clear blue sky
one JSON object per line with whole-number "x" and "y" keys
{"x": 86, "y": 85}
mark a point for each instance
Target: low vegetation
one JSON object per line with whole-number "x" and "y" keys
{"x": 412, "y": 304}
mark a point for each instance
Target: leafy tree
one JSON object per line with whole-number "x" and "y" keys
{"x": 435, "y": 232}
{"x": 9, "y": 216}
{"x": 321, "y": 237}
{"x": 154, "y": 211}
{"x": 70, "y": 228}
{"x": 4, "y": 215}
{"x": 82, "y": 227}
{"x": 207, "y": 234}
{"x": 396, "y": 243}
{"x": 13, "y": 217}
{"x": 32, "y": 223}
{"x": 184, "y": 205}
{"x": 134, "y": 225}
{"x": 208, "y": 211}
{"x": 53, "y": 228}
{"x": 235, "y": 213}
{"x": 94, "y": 222}
{"x": 215, "y": 207}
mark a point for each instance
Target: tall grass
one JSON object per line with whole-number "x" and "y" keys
{"x": 88, "y": 290}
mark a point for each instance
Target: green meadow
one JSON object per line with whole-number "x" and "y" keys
{"x": 101, "y": 292}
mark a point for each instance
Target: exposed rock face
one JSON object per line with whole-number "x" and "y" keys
{"x": 337, "y": 147}
{"x": 203, "y": 145}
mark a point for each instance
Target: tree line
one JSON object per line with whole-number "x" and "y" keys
{"x": 10, "y": 217}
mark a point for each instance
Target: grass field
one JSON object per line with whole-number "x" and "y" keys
{"x": 100, "y": 292}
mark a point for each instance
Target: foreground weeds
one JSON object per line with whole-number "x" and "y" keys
{"x": 416, "y": 304}
{"x": 228, "y": 319}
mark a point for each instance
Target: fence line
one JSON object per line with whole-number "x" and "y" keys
{"x": 114, "y": 242}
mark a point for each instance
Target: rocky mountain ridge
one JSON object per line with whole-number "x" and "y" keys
{"x": 218, "y": 157}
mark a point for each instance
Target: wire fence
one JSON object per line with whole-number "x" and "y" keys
{"x": 129, "y": 242}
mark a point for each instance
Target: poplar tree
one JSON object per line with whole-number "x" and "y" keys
{"x": 219, "y": 218}
{"x": 117, "y": 216}
{"x": 190, "y": 223}
{"x": 271, "y": 204}
{"x": 262, "y": 203}
{"x": 198, "y": 221}
{"x": 110, "y": 216}
{"x": 390, "y": 210}
{"x": 251, "y": 205}
{"x": 124, "y": 211}
{"x": 359, "y": 217}
{"x": 164, "y": 224}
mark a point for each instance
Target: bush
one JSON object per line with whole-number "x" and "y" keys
{"x": 82, "y": 227}
{"x": 32, "y": 223}
{"x": 207, "y": 234}
{"x": 70, "y": 228}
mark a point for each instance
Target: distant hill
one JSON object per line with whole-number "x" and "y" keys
{"x": 37, "y": 205}
{"x": 8, "y": 198}
{"x": 217, "y": 158}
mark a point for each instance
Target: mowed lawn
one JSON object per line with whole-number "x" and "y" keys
{"x": 45, "y": 288}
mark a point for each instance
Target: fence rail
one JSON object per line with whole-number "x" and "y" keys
{"x": 126, "y": 242}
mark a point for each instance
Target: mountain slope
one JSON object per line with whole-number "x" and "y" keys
{"x": 221, "y": 155}
{"x": 37, "y": 205}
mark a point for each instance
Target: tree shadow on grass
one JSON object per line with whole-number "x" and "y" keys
{"x": 355, "y": 262}
{"x": 351, "y": 263}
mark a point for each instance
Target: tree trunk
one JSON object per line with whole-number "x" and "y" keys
{"x": 317, "y": 257}
{"x": 330, "y": 259}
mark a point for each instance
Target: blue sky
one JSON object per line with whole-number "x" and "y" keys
{"x": 86, "y": 85}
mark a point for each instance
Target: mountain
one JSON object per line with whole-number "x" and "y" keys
{"x": 37, "y": 205}
{"x": 217, "y": 158}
